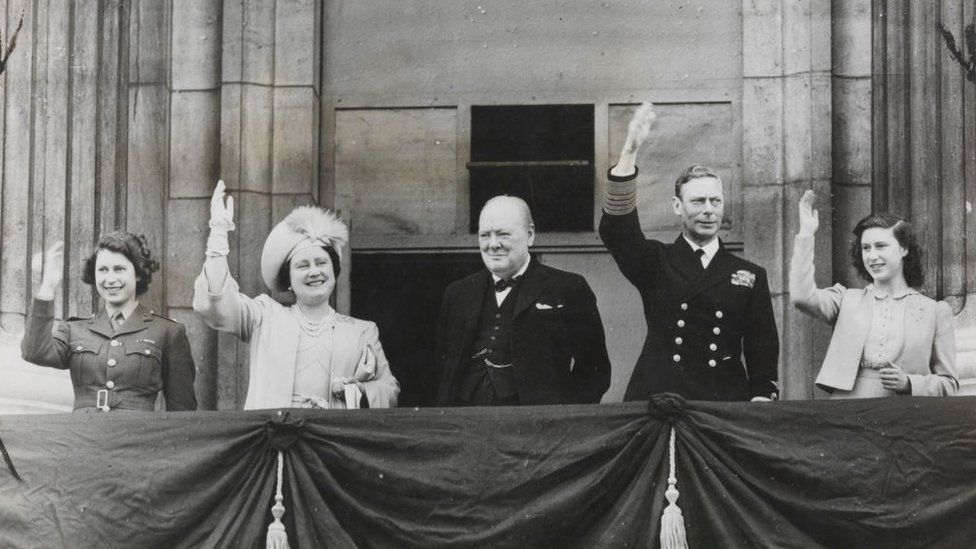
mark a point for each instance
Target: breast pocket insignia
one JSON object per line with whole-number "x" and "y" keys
{"x": 744, "y": 278}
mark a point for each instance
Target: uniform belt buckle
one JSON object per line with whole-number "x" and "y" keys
{"x": 101, "y": 400}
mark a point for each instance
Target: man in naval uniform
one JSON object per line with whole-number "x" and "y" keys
{"x": 711, "y": 334}
{"x": 519, "y": 332}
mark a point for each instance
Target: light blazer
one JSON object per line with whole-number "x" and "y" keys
{"x": 928, "y": 354}
{"x": 559, "y": 348}
{"x": 273, "y": 331}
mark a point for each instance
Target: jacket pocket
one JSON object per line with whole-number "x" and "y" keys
{"x": 84, "y": 363}
{"x": 146, "y": 358}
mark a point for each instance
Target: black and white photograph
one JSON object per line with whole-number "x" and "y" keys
{"x": 674, "y": 274}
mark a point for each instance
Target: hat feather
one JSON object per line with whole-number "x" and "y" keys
{"x": 317, "y": 223}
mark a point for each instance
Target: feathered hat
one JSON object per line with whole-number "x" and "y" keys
{"x": 304, "y": 227}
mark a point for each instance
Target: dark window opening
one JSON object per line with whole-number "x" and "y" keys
{"x": 540, "y": 153}
{"x": 402, "y": 293}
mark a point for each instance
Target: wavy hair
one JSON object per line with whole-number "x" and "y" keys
{"x": 693, "y": 172}
{"x": 134, "y": 247}
{"x": 905, "y": 235}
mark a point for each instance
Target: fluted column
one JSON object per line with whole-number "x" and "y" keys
{"x": 786, "y": 106}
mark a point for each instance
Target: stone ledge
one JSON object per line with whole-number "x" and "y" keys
{"x": 967, "y": 387}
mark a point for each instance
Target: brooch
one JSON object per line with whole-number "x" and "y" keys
{"x": 744, "y": 278}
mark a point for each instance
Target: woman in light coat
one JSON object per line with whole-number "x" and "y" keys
{"x": 305, "y": 355}
{"x": 888, "y": 338}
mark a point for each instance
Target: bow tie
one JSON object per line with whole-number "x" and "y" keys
{"x": 503, "y": 284}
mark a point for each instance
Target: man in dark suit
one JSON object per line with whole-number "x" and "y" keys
{"x": 519, "y": 332}
{"x": 706, "y": 309}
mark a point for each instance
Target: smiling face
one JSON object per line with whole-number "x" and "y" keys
{"x": 701, "y": 207}
{"x": 115, "y": 278}
{"x": 882, "y": 255}
{"x": 504, "y": 236}
{"x": 312, "y": 276}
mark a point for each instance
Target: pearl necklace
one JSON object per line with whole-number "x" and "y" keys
{"x": 311, "y": 327}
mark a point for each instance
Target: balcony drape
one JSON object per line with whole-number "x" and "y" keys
{"x": 897, "y": 472}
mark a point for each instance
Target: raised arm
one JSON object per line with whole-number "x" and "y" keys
{"x": 619, "y": 226}
{"x": 216, "y": 295}
{"x": 39, "y": 346}
{"x": 221, "y": 223}
{"x": 819, "y": 303}
{"x": 621, "y": 195}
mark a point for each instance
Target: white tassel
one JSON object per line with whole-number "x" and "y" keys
{"x": 672, "y": 523}
{"x": 277, "y": 537}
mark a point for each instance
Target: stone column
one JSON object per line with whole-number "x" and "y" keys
{"x": 269, "y": 126}
{"x": 924, "y": 146}
{"x": 194, "y": 162}
{"x": 786, "y": 113}
{"x": 853, "y": 172}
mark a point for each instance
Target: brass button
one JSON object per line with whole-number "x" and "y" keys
{"x": 716, "y": 330}
{"x": 110, "y": 384}
{"x": 712, "y": 363}
{"x": 79, "y": 348}
{"x": 112, "y": 362}
{"x": 148, "y": 352}
{"x": 713, "y": 347}
{"x": 676, "y": 358}
{"x": 681, "y": 323}
{"x": 718, "y": 314}
{"x": 115, "y": 343}
{"x": 684, "y": 306}
{"x": 678, "y": 340}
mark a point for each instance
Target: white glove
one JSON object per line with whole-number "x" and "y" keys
{"x": 221, "y": 222}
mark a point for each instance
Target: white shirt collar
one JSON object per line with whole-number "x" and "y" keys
{"x": 878, "y": 294}
{"x": 710, "y": 249}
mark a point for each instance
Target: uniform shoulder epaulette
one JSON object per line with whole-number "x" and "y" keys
{"x": 89, "y": 317}
{"x": 157, "y": 315}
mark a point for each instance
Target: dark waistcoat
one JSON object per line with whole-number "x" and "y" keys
{"x": 492, "y": 343}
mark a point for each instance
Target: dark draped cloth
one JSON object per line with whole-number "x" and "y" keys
{"x": 897, "y": 472}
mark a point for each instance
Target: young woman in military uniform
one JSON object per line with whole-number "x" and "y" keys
{"x": 122, "y": 356}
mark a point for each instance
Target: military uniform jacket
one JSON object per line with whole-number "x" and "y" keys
{"x": 699, "y": 324}
{"x": 148, "y": 354}
{"x": 559, "y": 352}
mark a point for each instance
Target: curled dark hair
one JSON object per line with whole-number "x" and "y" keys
{"x": 283, "y": 280}
{"x": 905, "y": 234}
{"x": 134, "y": 247}
{"x": 693, "y": 172}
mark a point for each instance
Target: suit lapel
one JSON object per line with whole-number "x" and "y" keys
{"x": 684, "y": 260}
{"x": 473, "y": 304}
{"x": 532, "y": 284}
{"x": 100, "y": 324}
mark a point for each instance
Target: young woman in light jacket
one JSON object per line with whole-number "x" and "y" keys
{"x": 888, "y": 338}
